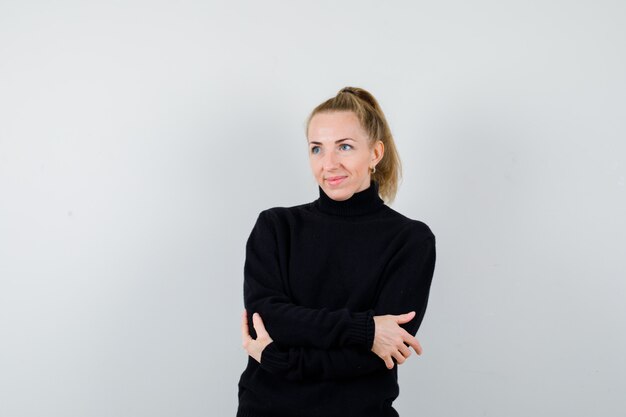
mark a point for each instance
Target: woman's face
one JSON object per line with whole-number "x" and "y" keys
{"x": 339, "y": 154}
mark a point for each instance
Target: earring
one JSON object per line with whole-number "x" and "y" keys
{"x": 373, "y": 169}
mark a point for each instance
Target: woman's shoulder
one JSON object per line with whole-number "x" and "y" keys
{"x": 284, "y": 211}
{"x": 418, "y": 228}
{"x": 283, "y": 215}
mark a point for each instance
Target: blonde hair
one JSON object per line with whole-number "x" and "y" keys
{"x": 372, "y": 119}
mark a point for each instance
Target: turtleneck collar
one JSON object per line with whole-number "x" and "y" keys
{"x": 362, "y": 202}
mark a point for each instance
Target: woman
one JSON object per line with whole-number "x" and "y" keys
{"x": 335, "y": 289}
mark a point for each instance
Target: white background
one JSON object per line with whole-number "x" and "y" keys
{"x": 140, "y": 140}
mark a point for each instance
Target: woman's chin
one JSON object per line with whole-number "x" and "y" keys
{"x": 337, "y": 194}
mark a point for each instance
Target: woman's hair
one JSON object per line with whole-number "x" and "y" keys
{"x": 372, "y": 119}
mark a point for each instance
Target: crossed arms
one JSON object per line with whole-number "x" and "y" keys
{"x": 304, "y": 343}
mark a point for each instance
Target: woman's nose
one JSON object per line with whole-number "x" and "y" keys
{"x": 330, "y": 160}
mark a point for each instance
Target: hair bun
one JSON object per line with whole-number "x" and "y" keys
{"x": 362, "y": 94}
{"x": 348, "y": 90}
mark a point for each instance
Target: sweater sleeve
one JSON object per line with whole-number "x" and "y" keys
{"x": 288, "y": 323}
{"x": 409, "y": 275}
{"x": 298, "y": 363}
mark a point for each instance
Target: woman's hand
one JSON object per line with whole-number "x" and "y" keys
{"x": 391, "y": 340}
{"x": 254, "y": 347}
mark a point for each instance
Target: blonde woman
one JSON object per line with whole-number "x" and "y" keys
{"x": 335, "y": 289}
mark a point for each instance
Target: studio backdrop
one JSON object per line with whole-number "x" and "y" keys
{"x": 139, "y": 140}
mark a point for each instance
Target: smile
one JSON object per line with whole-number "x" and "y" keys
{"x": 335, "y": 180}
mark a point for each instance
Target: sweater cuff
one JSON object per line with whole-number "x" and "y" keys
{"x": 274, "y": 360}
{"x": 361, "y": 331}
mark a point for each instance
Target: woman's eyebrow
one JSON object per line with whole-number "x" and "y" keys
{"x": 337, "y": 141}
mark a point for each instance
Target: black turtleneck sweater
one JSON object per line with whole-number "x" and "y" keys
{"x": 317, "y": 273}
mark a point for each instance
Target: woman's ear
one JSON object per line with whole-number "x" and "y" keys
{"x": 378, "y": 151}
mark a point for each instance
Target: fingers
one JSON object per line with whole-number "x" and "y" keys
{"x": 401, "y": 352}
{"x": 405, "y": 318}
{"x": 397, "y": 355}
{"x": 414, "y": 343}
{"x": 389, "y": 362}
{"x": 259, "y": 326}
{"x": 404, "y": 351}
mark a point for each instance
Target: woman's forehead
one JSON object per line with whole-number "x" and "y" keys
{"x": 330, "y": 127}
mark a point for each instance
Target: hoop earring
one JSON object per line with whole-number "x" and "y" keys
{"x": 373, "y": 169}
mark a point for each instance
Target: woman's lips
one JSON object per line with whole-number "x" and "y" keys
{"x": 335, "y": 180}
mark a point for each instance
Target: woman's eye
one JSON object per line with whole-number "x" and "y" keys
{"x": 345, "y": 144}
{"x": 314, "y": 149}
